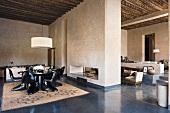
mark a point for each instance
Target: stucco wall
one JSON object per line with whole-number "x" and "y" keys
{"x": 15, "y": 44}
{"x": 85, "y": 37}
{"x": 161, "y": 41}
{"x": 112, "y": 42}
{"x": 123, "y": 43}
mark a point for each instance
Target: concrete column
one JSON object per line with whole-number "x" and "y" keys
{"x": 64, "y": 45}
{"x": 112, "y": 42}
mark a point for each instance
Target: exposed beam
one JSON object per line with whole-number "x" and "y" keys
{"x": 149, "y": 17}
{"x": 154, "y": 4}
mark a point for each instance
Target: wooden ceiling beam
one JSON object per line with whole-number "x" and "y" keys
{"x": 75, "y": 1}
{"x": 38, "y": 11}
{"x": 126, "y": 16}
{"x": 149, "y": 17}
{"x": 21, "y": 16}
{"x": 46, "y": 5}
{"x": 26, "y": 12}
{"x": 68, "y": 2}
{"x": 23, "y": 8}
{"x": 28, "y": 16}
{"x": 139, "y": 6}
{"x": 28, "y": 6}
{"x": 130, "y": 11}
{"x": 144, "y": 24}
{"x": 60, "y": 3}
{"x": 153, "y": 4}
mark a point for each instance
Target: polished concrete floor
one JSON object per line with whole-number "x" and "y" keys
{"x": 121, "y": 99}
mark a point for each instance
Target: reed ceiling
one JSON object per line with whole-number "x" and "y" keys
{"x": 47, "y": 11}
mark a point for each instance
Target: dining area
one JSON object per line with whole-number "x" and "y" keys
{"x": 34, "y": 78}
{"x": 36, "y": 85}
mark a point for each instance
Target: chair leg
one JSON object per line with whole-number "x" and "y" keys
{"x": 32, "y": 88}
{"x": 47, "y": 86}
{"x": 56, "y": 84}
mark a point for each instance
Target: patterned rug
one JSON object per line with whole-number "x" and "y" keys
{"x": 18, "y": 99}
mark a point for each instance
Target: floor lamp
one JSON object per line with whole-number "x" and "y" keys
{"x": 155, "y": 51}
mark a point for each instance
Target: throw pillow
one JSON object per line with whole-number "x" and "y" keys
{"x": 127, "y": 72}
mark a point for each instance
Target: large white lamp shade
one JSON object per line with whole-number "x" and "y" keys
{"x": 41, "y": 42}
{"x": 155, "y": 50}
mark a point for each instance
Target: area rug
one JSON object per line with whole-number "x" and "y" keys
{"x": 18, "y": 99}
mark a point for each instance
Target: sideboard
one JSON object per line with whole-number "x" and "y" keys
{"x": 159, "y": 68}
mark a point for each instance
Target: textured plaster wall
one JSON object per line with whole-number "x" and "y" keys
{"x": 112, "y": 42}
{"x": 123, "y": 42}
{"x": 15, "y": 44}
{"x": 58, "y": 30}
{"x": 86, "y": 40}
{"x": 161, "y": 41}
{"x": 85, "y": 37}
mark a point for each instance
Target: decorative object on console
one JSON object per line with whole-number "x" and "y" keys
{"x": 166, "y": 64}
{"x": 126, "y": 58}
{"x": 151, "y": 70}
{"x": 122, "y": 60}
{"x": 145, "y": 69}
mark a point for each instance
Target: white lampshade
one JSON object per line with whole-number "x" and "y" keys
{"x": 155, "y": 50}
{"x": 41, "y": 42}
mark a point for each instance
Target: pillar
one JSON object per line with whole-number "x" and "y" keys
{"x": 112, "y": 42}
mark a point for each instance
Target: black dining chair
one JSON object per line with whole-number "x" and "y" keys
{"x": 16, "y": 79}
{"x": 60, "y": 75}
{"x": 50, "y": 85}
{"x": 50, "y": 81}
{"x": 62, "y": 71}
{"x": 28, "y": 82}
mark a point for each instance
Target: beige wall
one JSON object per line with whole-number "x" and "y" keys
{"x": 112, "y": 42}
{"x": 123, "y": 43}
{"x": 85, "y": 36}
{"x": 86, "y": 39}
{"x": 135, "y": 41}
{"x": 15, "y": 44}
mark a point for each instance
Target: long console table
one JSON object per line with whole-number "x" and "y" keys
{"x": 159, "y": 68}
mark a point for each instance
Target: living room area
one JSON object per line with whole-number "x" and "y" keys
{"x": 150, "y": 58}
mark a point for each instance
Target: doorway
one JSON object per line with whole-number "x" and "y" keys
{"x": 149, "y": 46}
{"x": 51, "y": 57}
